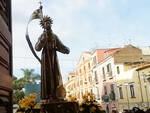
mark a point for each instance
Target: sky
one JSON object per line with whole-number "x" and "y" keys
{"x": 82, "y": 25}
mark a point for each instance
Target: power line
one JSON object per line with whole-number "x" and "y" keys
{"x": 34, "y": 58}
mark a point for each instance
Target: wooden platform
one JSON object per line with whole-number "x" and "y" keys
{"x": 60, "y": 107}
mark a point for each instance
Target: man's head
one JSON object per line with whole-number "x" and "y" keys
{"x": 46, "y": 22}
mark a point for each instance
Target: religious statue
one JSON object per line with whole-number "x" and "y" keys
{"x": 52, "y": 90}
{"x": 51, "y": 80}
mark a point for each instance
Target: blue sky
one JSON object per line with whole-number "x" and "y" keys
{"x": 82, "y": 25}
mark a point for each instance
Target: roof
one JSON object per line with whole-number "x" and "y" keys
{"x": 143, "y": 67}
{"x": 103, "y": 53}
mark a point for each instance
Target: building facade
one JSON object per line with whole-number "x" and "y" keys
{"x": 5, "y": 57}
{"x": 70, "y": 86}
{"x": 133, "y": 88}
{"x": 80, "y": 82}
{"x": 116, "y": 80}
{"x": 119, "y": 77}
{"x": 104, "y": 79}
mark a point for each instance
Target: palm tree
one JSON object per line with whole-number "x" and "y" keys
{"x": 18, "y": 84}
{"x": 30, "y": 76}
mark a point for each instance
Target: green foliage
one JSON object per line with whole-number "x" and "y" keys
{"x": 30, "y": 76}
{"x": 17, "y": 95}
{"x": 18, "y": 84}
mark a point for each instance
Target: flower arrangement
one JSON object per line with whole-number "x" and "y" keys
{"x": 28, "y": 104}
{"x": 71, "y": 98}
{"x": 89, "y": 105}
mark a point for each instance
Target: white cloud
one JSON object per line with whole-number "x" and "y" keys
{"x": 103, "y": 4}
{"x": 23, "y": 7}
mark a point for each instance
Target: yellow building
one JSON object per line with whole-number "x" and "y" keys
{"x": 123, "y": 64}
{"x": 126, "y": 71}
{"x": 130, "y": 79}
{"x": 80, "y": 82}
{"x": 133, "y": 88}
{"x": 70, "y": 85}
{"x": 144, "y": 81}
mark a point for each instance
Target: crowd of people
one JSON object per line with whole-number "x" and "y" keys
{"x": 133, "y": 110}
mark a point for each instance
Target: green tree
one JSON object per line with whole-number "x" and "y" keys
{"x": 17, "y": 95}
{"x": 30, "y": 76}
{"x": 18, "y": 84}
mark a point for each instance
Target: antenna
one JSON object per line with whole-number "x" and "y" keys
{"x": 129, "y": 41}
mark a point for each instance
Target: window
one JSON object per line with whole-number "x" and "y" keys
{"x": 94, "y": 60}
{"x": 89, "y": 65}
{"x": 105, "y": 90}
{"x": 84, "y": 70}
{"x": 80, "y": 71}
{"x": 82, "y": 94}
{"x": 112, "y": 93}
{"x": 91, "y": 91}
{"x": 85, "y": 81}
{"x": 120, "y": 93}
{"x": 118, "y": 70}
{"x": 109, "y": 71}
{"x": 109, "y": 67}
{"x": 98, "y": 95}
{"x": 77, "y": 83}
{"x": 103, "y": 70}
{"x": 74, "y": 85}
{"x": 132, "y": 91}
{"x": 112, "y": 87}
{"x": 83, "y": 59}
{"x": 86, "y": 92}
{"x": 76, "y": 72}
{"x": 90, "y": 79}
{"x": 96, "y": 78}
{"x": 78, "y": 95}
{"x": 81, "y": 82}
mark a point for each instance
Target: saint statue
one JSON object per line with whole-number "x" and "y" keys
{"x": 49, "y": 43}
